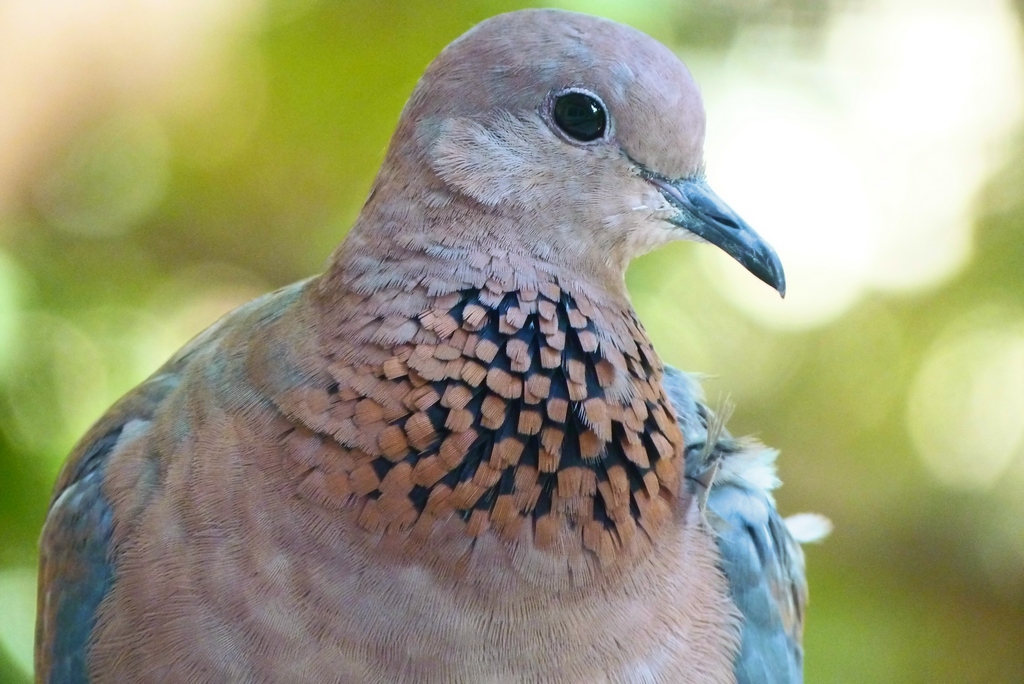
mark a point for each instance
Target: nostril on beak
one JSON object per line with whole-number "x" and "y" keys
{"x": 727, "y": 222}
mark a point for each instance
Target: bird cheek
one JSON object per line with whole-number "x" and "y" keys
{"x": 651, "y": 227}
{"x": 639, "y": 232}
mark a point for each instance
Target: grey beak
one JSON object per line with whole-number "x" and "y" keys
{"x": 705, "y": 215}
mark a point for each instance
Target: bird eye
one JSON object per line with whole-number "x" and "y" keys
{"x": 581, "y": 116}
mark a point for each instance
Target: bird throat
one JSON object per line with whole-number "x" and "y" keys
{"x": 522, "y": 413}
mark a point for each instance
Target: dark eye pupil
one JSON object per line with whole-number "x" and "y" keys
{"x": 580, "y": 116}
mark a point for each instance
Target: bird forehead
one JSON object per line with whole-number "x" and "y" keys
{"x": 514, "y": 61}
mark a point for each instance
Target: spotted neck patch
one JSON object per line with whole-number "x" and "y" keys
{"x": 504, "y": 409}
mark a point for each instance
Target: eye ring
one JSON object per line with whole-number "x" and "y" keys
{"x": 579, "y": 115}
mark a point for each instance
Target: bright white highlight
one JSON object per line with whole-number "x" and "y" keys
{"x": 862, "y": 168}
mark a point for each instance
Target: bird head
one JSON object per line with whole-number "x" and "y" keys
{"x": 568, "y": 135}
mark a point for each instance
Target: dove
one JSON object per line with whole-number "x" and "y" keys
{"x": 455, "y": 455}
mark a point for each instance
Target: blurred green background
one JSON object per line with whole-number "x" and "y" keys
{"x": 163, "y": 162}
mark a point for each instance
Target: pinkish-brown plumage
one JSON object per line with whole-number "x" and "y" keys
{"x": 449, "y": 458}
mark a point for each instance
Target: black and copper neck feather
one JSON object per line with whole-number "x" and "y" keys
{"x": 505, "y": 409}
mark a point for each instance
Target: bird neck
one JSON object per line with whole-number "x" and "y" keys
{"x": 423, "y": 231}
{"x": 528, "y": 413}
{"x": 496, "y": 389}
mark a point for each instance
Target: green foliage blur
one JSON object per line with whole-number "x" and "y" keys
{"x": 198, "y": 163}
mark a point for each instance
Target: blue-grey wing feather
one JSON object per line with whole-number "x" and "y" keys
{"x": 760, "y": 558}
{"x": 78, "y": 564}
{"x": 76, "y": 570}
{"x": 76, "y": 559}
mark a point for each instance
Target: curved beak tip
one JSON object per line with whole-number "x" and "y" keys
{"x": 766, "y": 266}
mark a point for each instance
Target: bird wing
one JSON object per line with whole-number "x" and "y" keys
{"x": 77, "y": 561}
{"x": 76, "y": 567}
{"x": 761, "y": 559}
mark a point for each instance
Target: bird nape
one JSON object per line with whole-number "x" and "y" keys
{"x": 454, "y": 456}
